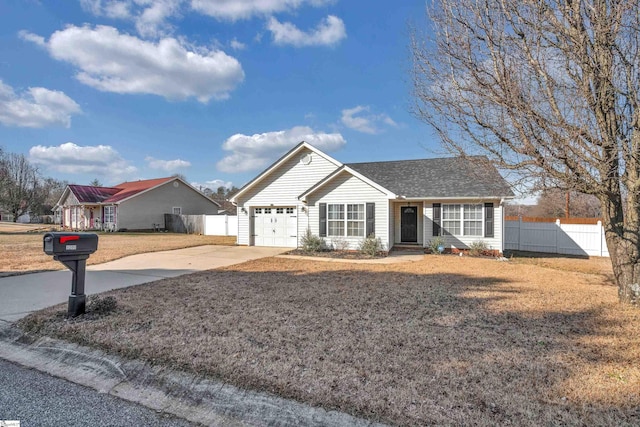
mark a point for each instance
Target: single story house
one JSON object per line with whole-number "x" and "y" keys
{"x": 136, "y": 205}
{"x": 404, "y": 203}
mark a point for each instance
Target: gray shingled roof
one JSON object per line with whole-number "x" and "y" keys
{"x": 472, "y": 176}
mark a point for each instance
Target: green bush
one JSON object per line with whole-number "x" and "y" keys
{"x": 478, "y": 248}
{"x": 312, "y": 243}
{"x": 434, "y": 243}
{"x": 371, "y": 246}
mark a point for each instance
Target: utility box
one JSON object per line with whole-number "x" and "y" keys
{"x": 65, "y": 244}
{"x": 73, "y": 250}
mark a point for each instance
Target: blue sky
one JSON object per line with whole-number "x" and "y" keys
{"x": 215, "y": 90}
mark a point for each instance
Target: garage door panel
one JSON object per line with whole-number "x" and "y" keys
{"x": 275, "y": 226}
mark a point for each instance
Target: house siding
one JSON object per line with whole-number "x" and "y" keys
{"x": 282, "y": 188}
{"x": 145, "y": 209}
{"x": 462, "y": 242}
{"x": 346, "y": 188}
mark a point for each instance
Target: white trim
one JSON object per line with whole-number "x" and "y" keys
{"x": 295, "y": 150}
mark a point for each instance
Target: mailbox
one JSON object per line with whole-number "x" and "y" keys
{"x": 72, "y": 249}
{"x": 66, "y": 244}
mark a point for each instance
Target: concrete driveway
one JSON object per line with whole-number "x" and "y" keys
{"x": 20, "y": 295}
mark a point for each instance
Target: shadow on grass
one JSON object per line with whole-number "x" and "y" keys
{"x": 406, "y": 348}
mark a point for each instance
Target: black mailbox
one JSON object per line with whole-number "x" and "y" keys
{"x": 70, "y": 243}
{"x": 72, "y": 249}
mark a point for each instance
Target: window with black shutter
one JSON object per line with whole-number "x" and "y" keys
{"x": 371, "y": 219}
{"x": 488, "y": 220}
{"x": 323, "y": 220}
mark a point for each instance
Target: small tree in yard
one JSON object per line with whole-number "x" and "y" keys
{"x": 548, "y": 89}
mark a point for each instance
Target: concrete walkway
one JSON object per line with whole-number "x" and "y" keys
{"x": 23, "y": 294}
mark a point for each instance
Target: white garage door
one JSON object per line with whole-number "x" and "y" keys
{"x": 275, "y": 226}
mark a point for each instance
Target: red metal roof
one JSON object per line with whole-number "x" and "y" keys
{"x": 92, "y": 194}
{"x": 128, "y": 189}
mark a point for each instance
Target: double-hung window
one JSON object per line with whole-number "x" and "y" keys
{"x": 335, "y": 219}
{"x": 355, "y": 220}
{"x": 345, "y": 220}
{"x": 462, "y": 220}
{"x": 472, "y": 220}
{"x": 109, "y": 214}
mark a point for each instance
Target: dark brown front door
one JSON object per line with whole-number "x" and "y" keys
{"x": 409, "y": 224}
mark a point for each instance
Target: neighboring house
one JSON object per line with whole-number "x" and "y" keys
{"x": 226, "y": 207}
{"x": 401, "y": 202}
{"x": 137, "y": 205}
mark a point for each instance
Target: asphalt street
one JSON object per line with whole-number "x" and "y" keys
{"x": 40, "y": 400}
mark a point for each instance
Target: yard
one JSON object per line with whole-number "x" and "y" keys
{"x": 447, "y": 340}
{"x": 22, "y": 251}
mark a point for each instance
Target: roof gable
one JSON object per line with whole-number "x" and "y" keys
{"x": 452, "y": 177}
{"x": 295, "y": 150}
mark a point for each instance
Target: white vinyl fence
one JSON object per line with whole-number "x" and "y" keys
{"x": 220, "y": 225}
{"x": 557, "y": 238}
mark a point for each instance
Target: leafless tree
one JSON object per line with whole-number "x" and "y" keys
{"x": 552, "y": 203}
{"x": 548, "y": 89}
{"x": 20, "y": 190}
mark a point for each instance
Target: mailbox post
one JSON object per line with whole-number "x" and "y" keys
{"x": 73, "y": 250}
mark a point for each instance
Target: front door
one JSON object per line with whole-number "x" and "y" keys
{"x": 409, "y": 224}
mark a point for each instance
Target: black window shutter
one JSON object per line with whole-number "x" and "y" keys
{"x": 436, "y": 219}
{"x": 371, "y": 219}
{"x": 323, "y": 220}
{"x": 488, "y": 220}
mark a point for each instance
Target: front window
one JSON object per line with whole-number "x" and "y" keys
{"x": 472, "y": 220}
{"x": 109, "y": 214}
{"x": 351, "y": 224}
{"x": 335, "y": 220}
{"x": 462, "y": 220}
{"x": 355, "y": 220}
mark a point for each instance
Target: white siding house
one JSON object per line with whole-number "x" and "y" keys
{"x": 402, "y": 202}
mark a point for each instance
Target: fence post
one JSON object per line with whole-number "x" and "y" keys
{"x": 601, "y": 233}
{"x": 558, "y": 227}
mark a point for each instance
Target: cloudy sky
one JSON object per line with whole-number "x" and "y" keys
{"x": 215, "y": 90}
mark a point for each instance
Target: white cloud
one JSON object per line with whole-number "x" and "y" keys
{"x": 150, "y": 16}
{"x": 253, "y": 152}
{"x": 366, "y": 123}
{"x": 233, "y": 10}
{"x": 37, "y": 107}
{"x": 70, "y": 158}
{"x": 213, "y": 185}
{"x": 120, "y": 63}
{"x": 329, "y": 32}
{"x": 237, "y": 45}
{"x": 166, "y": 165}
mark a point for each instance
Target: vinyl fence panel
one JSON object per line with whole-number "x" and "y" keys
{"x": 554, "y": 237}
{"x": 221, "y": 225}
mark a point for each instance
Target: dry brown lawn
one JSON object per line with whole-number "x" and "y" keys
{"x": 446, "y": 341}
{"x": 22, "y": 252}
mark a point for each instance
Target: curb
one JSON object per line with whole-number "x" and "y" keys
{"x": 195, "y": 398}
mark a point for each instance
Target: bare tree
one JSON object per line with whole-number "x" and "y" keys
{"x": 552, "y": 203}
{"x": 548, "y": 89}
{"x": 20, "y": 190}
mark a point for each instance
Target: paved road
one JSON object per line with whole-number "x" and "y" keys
{"x": 20, "y": 295}
{"x": 37, "y": 399}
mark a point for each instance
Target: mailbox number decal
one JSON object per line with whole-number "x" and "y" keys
{"x": 65, "y": 239}
{"x": 71, "y": 247}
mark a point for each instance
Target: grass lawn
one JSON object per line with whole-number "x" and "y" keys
{"x": 446, "y": 340}
{"x": 22, "y": 252}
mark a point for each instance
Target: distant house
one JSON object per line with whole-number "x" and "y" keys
{"x": 136, "y": 205}
{"x": 404, "y": 203}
